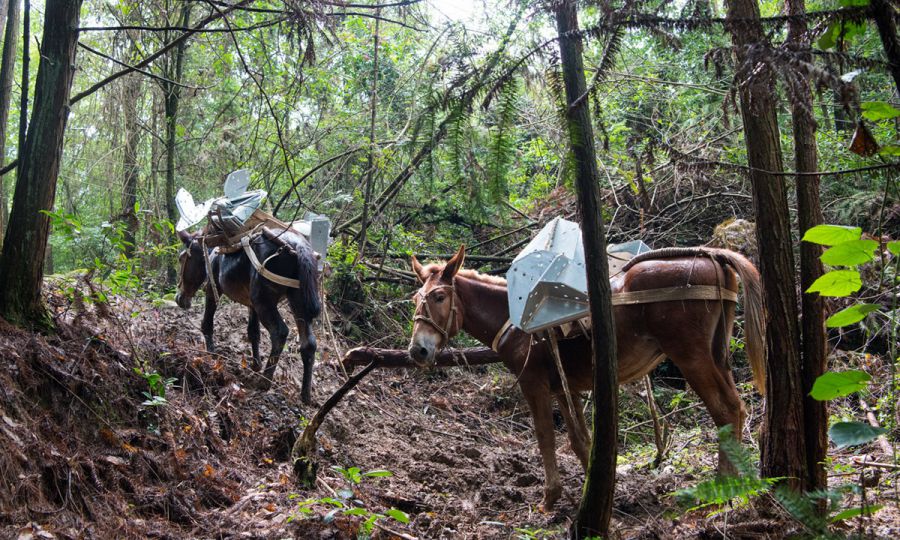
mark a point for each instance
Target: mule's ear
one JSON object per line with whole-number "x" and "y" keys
{"x": 185, "y": 237}
{"x": 418, "y": 269}
{"x": 455, "y": 264}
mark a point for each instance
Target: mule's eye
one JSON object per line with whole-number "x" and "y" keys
{"x": 439, "y": 298}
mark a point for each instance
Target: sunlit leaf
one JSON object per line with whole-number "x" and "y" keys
{"x": 879, "y": 110}
{"x": 853, "y": 512}
{"x": 850, "y": 253}
{"x": 834, "y": 384}
{"x": 832, "y": 235}
{"x": 851, "y": 315}
{"x": 889, "y": 150}
{"x": 894, "y": 247}
{"x": 846, "y": 434}
{"x": 837, "y": 283}
{"x": 398, "y": 515}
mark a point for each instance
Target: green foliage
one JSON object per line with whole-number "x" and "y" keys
{"x": 851, "y": 315}
{"x": 846, "y": 434}
{"x": 157, "y": 387}
{"x": 837, "y": 283}
{"x": 879, "y": 110}
{"x": 345, "y": 504}
{"x": 834, "y": 384}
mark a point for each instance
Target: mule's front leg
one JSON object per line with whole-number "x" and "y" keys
{"x": 579, "y": 437}
{"x": 539, "y": 401}
{"x": 253, "y": 335}
{"x": 206, "y": 327}
{"x": 308, "y": 354}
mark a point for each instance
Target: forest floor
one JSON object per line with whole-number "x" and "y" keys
{"x": 83, "y": 453}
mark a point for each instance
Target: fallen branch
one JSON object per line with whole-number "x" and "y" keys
{"x": 395, "y": 358}
{"x": 305, "y": 448}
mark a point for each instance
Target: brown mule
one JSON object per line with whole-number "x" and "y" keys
{"x": 695, "y": 334}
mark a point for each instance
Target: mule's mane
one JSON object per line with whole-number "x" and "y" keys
{"x": 468, "y": 273}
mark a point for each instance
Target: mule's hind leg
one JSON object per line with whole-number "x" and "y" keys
{"x": 206, "y": 327}
{"x": 539, "y": 401}
{"x": 266, "y": 305}
{"x": 253, "y": 335}
{"x": 576, "y": 427}
{"x": 716, "y": 390}
{"x": 307, "y": 341}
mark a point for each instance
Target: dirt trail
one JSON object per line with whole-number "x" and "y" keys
{"x": 82, "y": 458}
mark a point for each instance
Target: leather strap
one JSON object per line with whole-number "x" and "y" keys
{"x": 668, "y": 294}
{"x": 500, "y": 334}
{"x": 261, "y": 268}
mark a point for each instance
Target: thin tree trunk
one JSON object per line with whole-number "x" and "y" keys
{"x": 887, "y": 29}
{"x": 783, "y": 444}
{"x": 21, "y": 272}
{"x": 172, "y": 101}
{"x": 7, "y": 77}
{"x": 370, "y": 162}
{"x": 595, "y": 511}
{"x": 23, "y": 98}
{"x": 131, "y": 94}
{"x": 809, "y": 214}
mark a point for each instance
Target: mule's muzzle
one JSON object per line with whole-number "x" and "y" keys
{"x": 421, "y": 355}
{"x": 183, "y": 301}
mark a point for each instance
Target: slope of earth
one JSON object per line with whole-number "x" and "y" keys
{"x": 91, "y": 448}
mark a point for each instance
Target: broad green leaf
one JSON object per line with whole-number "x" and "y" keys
{"x": 357, "y": 512}
{"x": 828, "y": 39}
{"x": 894, "y": 247}
{"x": 378, "y": 473}
{"x": 837, "y": 283}
{"x": 853, "y": 512}
{"x": 831, "y": 235}
{"x": 833, "y": 384}
{"x": 851, "y": 315}
{"x": 879, "y": 110}
{"x": 850, "y": 253}
{"x": 846, "y": 434}
{"x": 398, "y": 515}
{"x": 854, "y": 3}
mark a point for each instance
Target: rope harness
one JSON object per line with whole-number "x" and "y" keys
{"x": 427, "y": 317}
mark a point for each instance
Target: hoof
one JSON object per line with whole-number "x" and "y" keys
{"x": 551, "y": 495}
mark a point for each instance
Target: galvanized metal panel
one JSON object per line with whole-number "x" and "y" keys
{"x": 547, "y": 281}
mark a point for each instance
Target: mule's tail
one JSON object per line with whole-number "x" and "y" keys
{"x": 754, "y": 314}
{"x": 308, "y": 275}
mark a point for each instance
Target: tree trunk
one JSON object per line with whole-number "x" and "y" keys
{"x": 21, "y": 270}
{"x": 23, "y": 98}
{"x": 595, "y": 511}
{"x": 131, "y": 90}
{"x": 887, "y": 30}
{"x": 7, "y": 77}
{"x": 783, "y": 444}
{"x": 172, "y": 100}
{"x": 370, "y": 161}
{"x": 809, "y": 214}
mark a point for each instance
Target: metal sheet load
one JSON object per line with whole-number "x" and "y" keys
{"x": 239, "y": 211}
{"x": 547, "y": 281}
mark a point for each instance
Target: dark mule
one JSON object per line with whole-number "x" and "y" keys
{"x": 236, "y": 278}
{"x": 695, "y": 334}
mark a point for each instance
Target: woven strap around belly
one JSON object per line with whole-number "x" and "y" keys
{"x": 261, "y": 267}
{"x": 669, "y": 294}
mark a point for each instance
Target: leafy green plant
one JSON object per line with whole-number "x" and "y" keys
{"x": 846, "y": 248}
{"x": 157, "y": 387}
{"x": 345, "y": 504}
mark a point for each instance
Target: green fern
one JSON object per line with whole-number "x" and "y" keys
{"x": 503, "y": 145}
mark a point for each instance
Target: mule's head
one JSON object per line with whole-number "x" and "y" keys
{"x": 193, "y": 269}
{"x": 438, "y": 314}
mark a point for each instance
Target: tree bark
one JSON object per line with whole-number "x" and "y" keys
{"x": 783, "y": 444}
{"x": 7, "y": 76}
{"x": 595, "y": 511}
{"x": 21, "y": 268}
{"x": 131, "y": 90}
{"x": 809, "y": 214}
{"x": 887, "y": 30}
{"x": 172, "y": 100}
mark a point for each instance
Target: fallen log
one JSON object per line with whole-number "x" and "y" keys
{"x": 396, "y": 358}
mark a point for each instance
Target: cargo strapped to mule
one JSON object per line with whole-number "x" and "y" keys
{"x": 261, "y": 266}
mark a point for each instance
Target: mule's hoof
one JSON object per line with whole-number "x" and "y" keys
{"x": 551, "y": 495}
